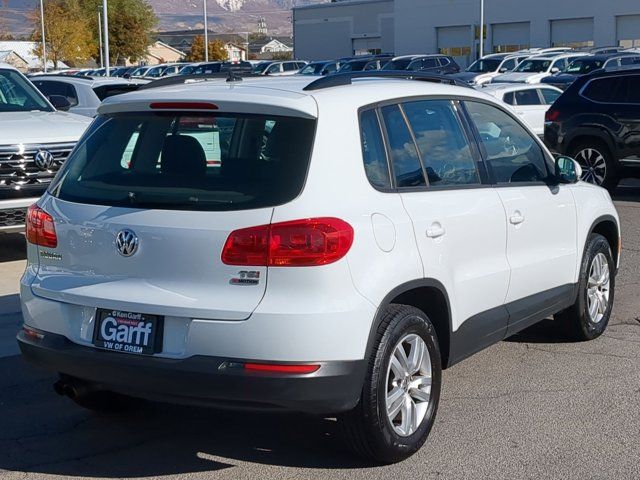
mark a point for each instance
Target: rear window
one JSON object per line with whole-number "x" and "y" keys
{"x": 211, "y": 162}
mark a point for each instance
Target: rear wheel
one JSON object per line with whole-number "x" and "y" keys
{"x": 400, "y": 395}
{"x": 597, "y": 162}
{"x": 588, "y": 317}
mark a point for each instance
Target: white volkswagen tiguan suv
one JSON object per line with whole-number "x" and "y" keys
{"x": 355, "y": 237}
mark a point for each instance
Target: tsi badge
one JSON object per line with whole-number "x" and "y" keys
{"x": 246, "y": 277}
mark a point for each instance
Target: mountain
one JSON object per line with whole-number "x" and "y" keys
{"x": 223, "y": 15}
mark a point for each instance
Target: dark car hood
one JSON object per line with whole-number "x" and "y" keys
{"x": 465, "y": 76}
{"x": 560, "y": 78}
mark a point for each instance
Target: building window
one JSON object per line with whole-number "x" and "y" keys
{"x": 629, "y": 43}
{"x": 582, "y": 44}
{"x": 509, "y": 48}
{"x": 455, "y": 51}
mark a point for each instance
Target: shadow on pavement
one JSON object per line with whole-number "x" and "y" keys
{"x": 12, "y": 247}
{"x": 546, "y": 331}
{"x": 628, "y": 191}
{"x": 43, "y": 433}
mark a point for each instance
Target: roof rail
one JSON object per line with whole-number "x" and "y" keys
{"x": 230, "y": 76}
{"x": 340, "y": 79}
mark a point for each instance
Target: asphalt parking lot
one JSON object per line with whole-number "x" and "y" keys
{"x": 529, "y": 407}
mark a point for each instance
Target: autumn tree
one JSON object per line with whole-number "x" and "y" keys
{"x": 131, "y": 24}
{"x": 217, "y": 51}
{"x": 67, "y": 34}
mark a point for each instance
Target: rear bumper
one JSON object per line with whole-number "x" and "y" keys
{"x": 335, "y": 387}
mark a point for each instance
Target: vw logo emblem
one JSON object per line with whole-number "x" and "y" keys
{"x": 126, "y": 243}
{"x": 43, "y": 159}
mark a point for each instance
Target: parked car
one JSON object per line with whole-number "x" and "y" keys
{"x": 442, "y": 64}
{"x": 139, "y": 72}
{"x": 486, "y": 68}
{"x": 279, "y": 68}
{"x": 158, "y": 71}
{"x": 324, "y": 67}
{"x": 35, "y": 140}
{"x": 84, "y": 94}
{"x": 364, "y": 64}
{"x": 597, "y": 122}
{"x": 400, "y": 63}
{"x": 529, "y": 102}
{"x": 207, "y": 68}
{"x": 374, "y": 285}
{"x": 584, "y": 65}
{"x": 534, "y": 69}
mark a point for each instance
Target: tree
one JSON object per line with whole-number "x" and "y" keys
{"x": 67, "y": 33}
{"x": 282, "y": 55}
{"x": 131, "y": 24}
{"x": 217, "y": 51}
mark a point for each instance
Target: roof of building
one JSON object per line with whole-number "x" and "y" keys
{"x": 24, "y": 50}
{"x": 182, "y": 39}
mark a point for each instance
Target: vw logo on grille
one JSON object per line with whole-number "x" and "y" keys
{"x": 43, "y": 159}
{"x": 126, "y": 242}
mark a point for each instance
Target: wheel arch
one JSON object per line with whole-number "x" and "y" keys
{"x": 588, "y": 134}
{"x": 607, "y": 226}
{"x": 428, "y": 295}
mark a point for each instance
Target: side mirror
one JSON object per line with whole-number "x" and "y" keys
{"x": 60, "y": 102}
{"x": 555, "y": 70}
{"x": 503, "y": 70}
{"x": 568, "y": 170}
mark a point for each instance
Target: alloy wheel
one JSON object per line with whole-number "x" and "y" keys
{"x": 408, "y": 385}
{"x": 594, "y": 165}
{"x": 598, "y": 288}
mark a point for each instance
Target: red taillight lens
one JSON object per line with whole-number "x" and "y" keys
{"x": 274, "y": 368}
{"x": 41, "y": 229}
{"x": 551, "y": 115}
{"x": 299, "y": 243}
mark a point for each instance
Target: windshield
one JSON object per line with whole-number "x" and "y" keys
{"x": 211, "y": 162}
{"x": 584, "y": 66}
{"x": 312, "y": 69}
{"x": 17, "y": 94}
{"x": 139, "y": 71}
{"x": 261, "y": 67}
{"x": 533, "y": 66}
{"x": 187, "y": 70}
{"x": 484, "y": 66}
{"x": 400, "y": 64}
{"x": 353, "y": 66}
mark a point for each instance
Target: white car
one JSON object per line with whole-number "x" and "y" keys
{"x": 84, "y": 93}
{"x": 35, "y": 140}
{"x": 530, "y": 102}
{"x": 534, "y": 69}
{"x": 358, "y": 236}
{"x": 279, "y": 68}
{"x": 483, "y": 70}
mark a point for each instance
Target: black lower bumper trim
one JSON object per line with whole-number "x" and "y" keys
{"x": 334, "y": 388}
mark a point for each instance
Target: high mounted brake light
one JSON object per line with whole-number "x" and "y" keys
{"x": 298, "y": 243}
{"x": 183, "y": 106}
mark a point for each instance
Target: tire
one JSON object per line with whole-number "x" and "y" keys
{"x": 588, "y": 317}
{"x": 598, "y": 165}
{"x": 368, "y": 430}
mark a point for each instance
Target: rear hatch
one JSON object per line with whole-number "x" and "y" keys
{"x": 180, "y": 183}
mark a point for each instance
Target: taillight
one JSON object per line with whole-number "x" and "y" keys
{"x": 298, "y": 243}
{"x": 280, "y": 368}
{"x": 551, "y": 115}
{"x": 41, "y": 229}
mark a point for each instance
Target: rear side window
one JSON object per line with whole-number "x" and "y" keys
{"x": 407, "y": 169}
{"x": 373, "y": 152}
{"x": 512, "y": 155}
{"x": 528, "y": 97}
{"x": 602, "y": 89}
{"x": 48, "y": 88}
{"x": 549, "y": 95}
{"x": 509, "y": 98}
{"x": 443, "y": 145}
{"x": 217, "y": 162}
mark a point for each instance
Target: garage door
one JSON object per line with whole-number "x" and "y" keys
{"x": 628, "y": 31}
{"x": 576, "y": 33}
{"x": 369, "y": 45}
{"x": 510, "y": 37}
{"x": 456, "y": 42}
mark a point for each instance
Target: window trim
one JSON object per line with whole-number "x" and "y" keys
{"x": 586, "y": 85}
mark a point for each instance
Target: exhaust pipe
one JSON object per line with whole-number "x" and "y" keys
{"x": 72, "y": 388}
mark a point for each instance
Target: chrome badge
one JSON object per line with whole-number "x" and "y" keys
{"x": 126, "y": 242}
{"x": 43, "y": 159}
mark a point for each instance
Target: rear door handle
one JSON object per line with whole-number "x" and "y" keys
{"x": 435, "y": 230}
{"x": 516, "y": 218}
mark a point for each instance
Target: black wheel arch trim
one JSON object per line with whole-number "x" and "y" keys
{"x": 598, "y": 221}
{"x": 600, "y": 133}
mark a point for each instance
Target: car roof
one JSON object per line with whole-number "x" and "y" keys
{"x": 514, "y": 87}
{"x": 6, "y": 66}
{"x": 282, "y": 95}
{"x": 87, "y": 80}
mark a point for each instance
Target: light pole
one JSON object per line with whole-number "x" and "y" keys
{"x": 105, "y": 16}
{"x": 481, "y": 28}
{"x": 100, "y": 38}
{"x": 44, "y": 41}
{"x": 206, "y": 32}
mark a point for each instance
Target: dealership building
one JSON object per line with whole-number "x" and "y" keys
{"x": 351, "y": 27}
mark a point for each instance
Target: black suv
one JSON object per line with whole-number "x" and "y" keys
{"x": 597, "y": 122}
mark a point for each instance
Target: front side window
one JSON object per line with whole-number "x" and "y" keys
{"x": 511, "y": 153}
{"x": 219, "y": 162}
{"x": 443, "y": 145}
{"x": 407, "y": 169}
{"x": 528, "y": 97}
{"x": 508, "y": 65}
{"x": 18, "y": 95}
{"x": 275, "y": 68}
{"x": 373, "y": 152}
{"x": 533, "y": 66}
